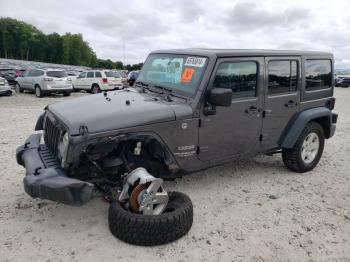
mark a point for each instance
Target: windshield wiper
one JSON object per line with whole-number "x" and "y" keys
{"x": 143, "y": 85}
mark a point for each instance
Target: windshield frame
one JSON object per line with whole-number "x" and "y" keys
{"x": 176, "y": 91}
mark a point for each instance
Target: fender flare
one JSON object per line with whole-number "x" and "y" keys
{"x": 40, "y": 122}
{"x": 296, "y": 125}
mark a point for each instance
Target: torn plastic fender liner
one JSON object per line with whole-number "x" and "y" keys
{"x": 49, "y": 181}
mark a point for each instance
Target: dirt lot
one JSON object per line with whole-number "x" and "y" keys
{"x": 253, "y": 210}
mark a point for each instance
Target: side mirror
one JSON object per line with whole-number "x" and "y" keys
{"x": 220, "y": 97}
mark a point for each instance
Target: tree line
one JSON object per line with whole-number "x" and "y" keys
{"x": 20, "y": 40}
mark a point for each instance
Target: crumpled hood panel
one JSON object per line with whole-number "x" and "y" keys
{"x": 126, "y": 108}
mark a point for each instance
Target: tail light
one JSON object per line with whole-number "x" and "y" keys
{"x": 331, "y": 103}
{"x": 48, "y": 79}
{"x": 104, "y": 80}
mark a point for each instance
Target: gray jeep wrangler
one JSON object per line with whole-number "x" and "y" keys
{"x": 189, "y": 110}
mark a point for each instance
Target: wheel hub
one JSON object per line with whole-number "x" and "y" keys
{"x": 310, "y": 148}
{"x": 147, "y": 194}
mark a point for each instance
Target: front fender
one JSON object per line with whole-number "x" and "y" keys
{"x": 293, "y": 130}
{"x": 40, "y": 122}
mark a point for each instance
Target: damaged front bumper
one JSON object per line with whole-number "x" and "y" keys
{"x": 45, "y": 178}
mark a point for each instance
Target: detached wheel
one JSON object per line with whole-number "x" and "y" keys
{"x": 307, "y": 151}
{"x": 150, "y": 230}
{"x": 38, "y": 91}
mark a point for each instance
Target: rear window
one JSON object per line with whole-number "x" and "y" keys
{"x": 318, "y": 74}
{"x": 58, "y": 74}
{"x": 98, "y": 74}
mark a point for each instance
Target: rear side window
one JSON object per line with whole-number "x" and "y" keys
{"x": 110, "y": 74}
{"x": 35, "y": 72}
{"x": 318, "y": 74}
{"x": 241, "y": 77}
{"x": 90, "y": 75}
{"x": 98, "y": 74}
{"x": 58, "y": 74}
{"x": 282, "y": 77}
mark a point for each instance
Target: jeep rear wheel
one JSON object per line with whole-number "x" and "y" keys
{"x": 307, "y": 151}
{"x": 149, "y": 230}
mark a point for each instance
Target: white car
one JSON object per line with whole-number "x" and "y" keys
{"x": 95, "y": 81}
{"x": 44, "y": 81}
{"x": 5, "y": 89}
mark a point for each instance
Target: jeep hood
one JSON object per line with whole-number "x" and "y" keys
{"x": 116, "y": 110}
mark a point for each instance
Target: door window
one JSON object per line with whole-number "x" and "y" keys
{"x": 90, "y": 75}
{"x": 282, "y": 77}
{"x": 82, "y": 75}
{"x": 98, "y": 74}
{"x": 241, "y": 77}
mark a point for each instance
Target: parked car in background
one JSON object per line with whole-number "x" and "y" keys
{"x": 95, "y": 81}
{"x": 124, "y": 77}
{"x": 132, "y": 76}
{"x": 5, "y": 89}
{"x": 44, "y": 81}
{"x": 9, "y": 74}
{"x": 342, "y": 80}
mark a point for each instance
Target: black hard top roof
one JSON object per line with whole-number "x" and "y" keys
{"x": 242, "y": 52}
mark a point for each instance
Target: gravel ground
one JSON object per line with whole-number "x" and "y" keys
{"x": 252, "y": 210}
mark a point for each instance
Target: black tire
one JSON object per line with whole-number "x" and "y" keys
{"x": 18, "y": 88}
{"x": 38, "y": 92}
{"x": 146, "y": 230}
{"x": 67, "y": 94}
{"x": 292, "y": 156}
{"x": 95, "y": 89}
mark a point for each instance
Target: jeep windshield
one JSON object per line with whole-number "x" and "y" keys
{"x": 175, "y": 73}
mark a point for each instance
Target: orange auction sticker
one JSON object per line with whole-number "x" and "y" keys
{"x": 187, "y": 75}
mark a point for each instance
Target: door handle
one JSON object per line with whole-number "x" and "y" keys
{"x": 291, "y": 104}
{"x": 252, "y": 110}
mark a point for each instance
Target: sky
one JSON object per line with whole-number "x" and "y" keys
{"x": 128, "y": 30}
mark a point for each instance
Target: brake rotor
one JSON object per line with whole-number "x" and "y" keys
{"x": 134, "y": 197}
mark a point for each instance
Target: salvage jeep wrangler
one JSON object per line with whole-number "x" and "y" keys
{"x": 189, "y": 109}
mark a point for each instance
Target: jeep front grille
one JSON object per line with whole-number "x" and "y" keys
{"x": 52, "y": 135}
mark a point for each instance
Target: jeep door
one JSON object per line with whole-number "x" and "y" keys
{"x": 282, "y": 97}
{"x": 235, "y": 130}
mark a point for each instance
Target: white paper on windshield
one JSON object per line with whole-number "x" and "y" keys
{"x": 195, "y": 61}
